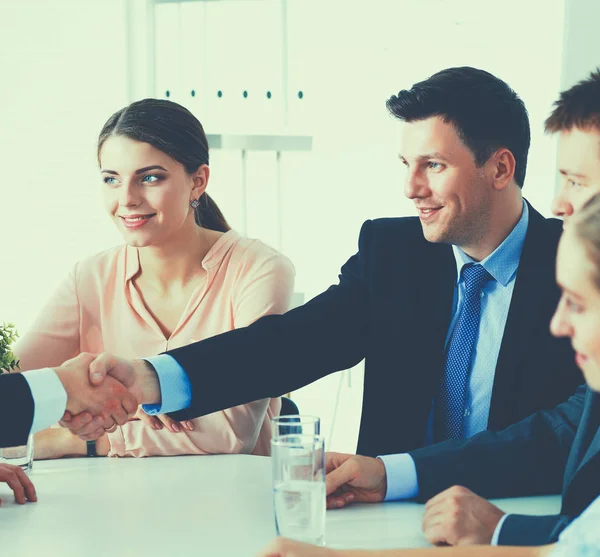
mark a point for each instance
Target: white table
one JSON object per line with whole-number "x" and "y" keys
{"x": 190, "y": 505}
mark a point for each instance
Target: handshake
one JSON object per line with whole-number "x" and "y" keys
{"x": 104, "y": 391}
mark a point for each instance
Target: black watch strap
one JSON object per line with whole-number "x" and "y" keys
{"x": 91, "y": 448}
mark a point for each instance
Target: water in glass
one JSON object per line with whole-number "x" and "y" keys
{"x": 299, "y": 487}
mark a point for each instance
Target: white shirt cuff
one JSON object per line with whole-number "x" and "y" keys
{"x": 496, "y": 535}
{"x": 49, "y": 397}
{"x": 401, "y": 475}
{"x": 175, "y": 389}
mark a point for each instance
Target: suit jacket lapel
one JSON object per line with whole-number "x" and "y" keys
{"x": 587, "y": 442}
{"x": 536, "y": 270}
{"x": 427, "y": 292}
{"x": 434, "y": 297}
{"x": 437, "y": 288}
{"x": 593, "y": 449}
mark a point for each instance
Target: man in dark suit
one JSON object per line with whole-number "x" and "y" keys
{"x": 393, "y": 306}
{"x": 554, "y": 451}
{"x": 401, "y": 300}
{"x": 449, "y": 310}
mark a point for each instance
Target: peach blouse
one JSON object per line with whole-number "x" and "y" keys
{"x": 98, "y": 309}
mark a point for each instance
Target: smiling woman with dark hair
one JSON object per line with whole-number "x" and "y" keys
{"x": 182, "y": 275}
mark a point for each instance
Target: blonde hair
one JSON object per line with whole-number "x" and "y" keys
{"x": 585, "y": 223}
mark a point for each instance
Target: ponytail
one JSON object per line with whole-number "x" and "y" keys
{"x": 209, "y": 216}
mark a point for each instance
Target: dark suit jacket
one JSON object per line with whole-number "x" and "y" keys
{"x": 16, "y": 410}
{"x": 393, "y": 307}
{"x": 549, "y": 452}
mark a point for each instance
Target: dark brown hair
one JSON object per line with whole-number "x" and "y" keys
{"x": 174, "y": 130}
{"x": 485, "y": 112}
{"x": 577, "y": 107}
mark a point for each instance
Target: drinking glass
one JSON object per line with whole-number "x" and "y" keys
{"x": 295, "y": 424}
{"x": 19, "y": 456}
{"x": 299, "y": 487}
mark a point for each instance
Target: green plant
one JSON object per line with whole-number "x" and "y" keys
{"x": 8, "y": 335}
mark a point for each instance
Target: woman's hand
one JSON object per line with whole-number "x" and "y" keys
{"x": 162, "y": 420}
{"x": 57, "y": 442}
{"x": 18, "y": 481}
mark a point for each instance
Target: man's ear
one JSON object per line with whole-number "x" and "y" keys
{"x": 503, "y": 166}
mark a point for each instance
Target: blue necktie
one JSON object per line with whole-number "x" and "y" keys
{"x": 450, "y": 402}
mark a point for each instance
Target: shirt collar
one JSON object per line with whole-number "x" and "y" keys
{"x": 503, "y": 262}
{"x": 211, "y": 259}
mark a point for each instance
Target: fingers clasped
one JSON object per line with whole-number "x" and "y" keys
{"x": 95, "y": 408}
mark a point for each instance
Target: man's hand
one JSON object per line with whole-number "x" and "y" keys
{"x": 106, "y": 405}
{"x": 459, "y": 517}
{"x": 352, "y": 478}
{"x": 18, "y": 481}
{"x": 112, "y": 398}
{"x": 282, "y": 547}
{"x": 137, "y": 376}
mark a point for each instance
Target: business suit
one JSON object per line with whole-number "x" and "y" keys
{"x": 393, "y": 306}
{"x": 549, "y": 452}
{"x": 16, "y": 410}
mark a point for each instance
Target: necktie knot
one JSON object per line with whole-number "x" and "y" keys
{"x": 475, "y": 277}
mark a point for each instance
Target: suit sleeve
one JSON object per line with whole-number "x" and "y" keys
{"x": 16, "y": 410}
{"x": 528, "y": 458}
{"x": 519, "y": 529}
{"x": 281, "y": 353}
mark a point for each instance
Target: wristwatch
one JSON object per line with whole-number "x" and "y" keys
{"x": 91, "y": 448}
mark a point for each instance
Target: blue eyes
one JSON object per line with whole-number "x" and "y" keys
{"x": 146, "y": 179}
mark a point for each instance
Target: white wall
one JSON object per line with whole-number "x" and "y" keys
{"x": 64, "y": 72}
{"x": 582, "y": 41}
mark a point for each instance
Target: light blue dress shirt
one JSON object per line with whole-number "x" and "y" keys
{"x": 502, "y": 264}
{"x": 175, "y": 389}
